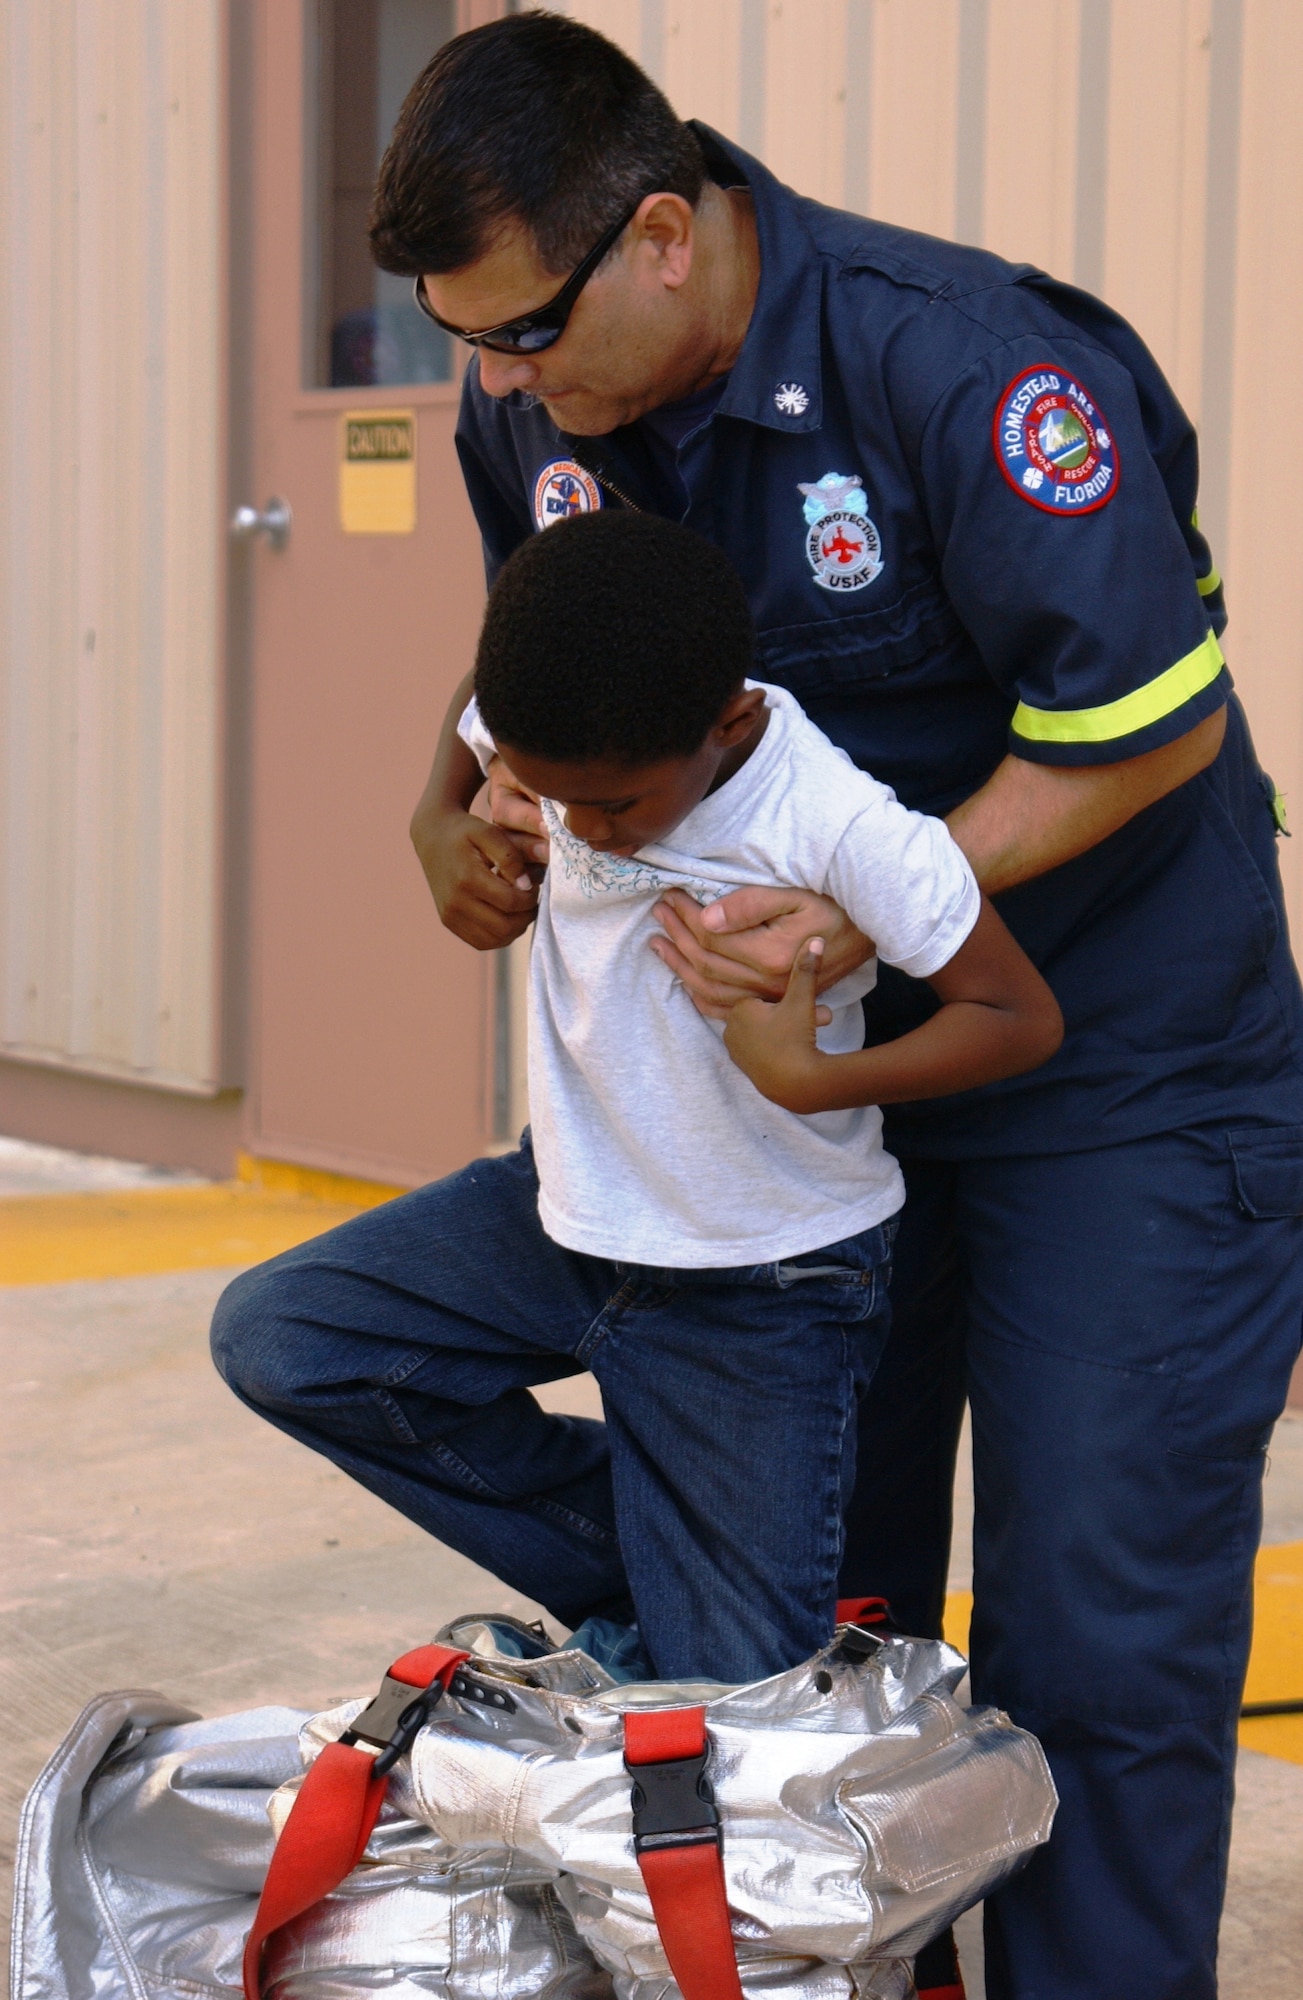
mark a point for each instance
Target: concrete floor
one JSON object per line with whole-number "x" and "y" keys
{"x": 163, "y": 1537}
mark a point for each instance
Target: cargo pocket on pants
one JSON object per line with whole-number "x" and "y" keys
{"x": 1251, "y": 1312}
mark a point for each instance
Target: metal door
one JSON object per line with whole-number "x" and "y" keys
{"x": 369, "y": 1032}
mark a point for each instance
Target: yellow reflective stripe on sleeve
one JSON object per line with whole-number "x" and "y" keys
{"x": 1130, "y": 712}
{"x": 1208, "y": 584}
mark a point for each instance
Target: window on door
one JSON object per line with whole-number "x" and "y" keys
{"x": 364, "y": 328}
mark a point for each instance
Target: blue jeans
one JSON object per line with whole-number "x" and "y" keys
{"x": 708, "y": 1506}
{"x": 1124, "y": 1322}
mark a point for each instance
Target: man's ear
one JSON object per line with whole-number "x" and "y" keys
{"x": 738, "y": 717}
{"x": 666, "y": 224}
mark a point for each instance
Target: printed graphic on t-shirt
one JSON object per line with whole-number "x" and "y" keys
{"x": 597, "y": 874}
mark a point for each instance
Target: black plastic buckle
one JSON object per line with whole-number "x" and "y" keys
{"x": 673, "y": 1804}
{"x": 393, "y": 1721}
{"x": 855, "y": 1644}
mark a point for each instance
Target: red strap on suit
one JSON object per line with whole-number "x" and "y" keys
{"x": 331, "y": 1821}
{"x": 677, "y": 1841}
{"x": 676, "y": 1825}
{"x": 862, "y": 1610}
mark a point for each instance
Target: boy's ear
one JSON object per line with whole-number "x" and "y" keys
{"x": 738, "y": 716}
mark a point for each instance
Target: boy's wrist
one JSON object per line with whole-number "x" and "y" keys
{"x": 829, "y": 1083}
{"x": 801, "y": 1083}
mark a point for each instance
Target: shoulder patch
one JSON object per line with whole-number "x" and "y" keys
{"x": 1052, "y": 443}
{"x": 563, "y": 487}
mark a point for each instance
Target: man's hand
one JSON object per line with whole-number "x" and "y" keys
{"x": 997, "y": 1018}
{"x": 482, "y": 890}
{"x": 745, "y": 945}
{"x": 774, "y": 1043}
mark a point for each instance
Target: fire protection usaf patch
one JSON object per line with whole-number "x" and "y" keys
{"x": 561, "y": 489}
{"x": 1052, "y": 444}
{"x": 843, "y": 546}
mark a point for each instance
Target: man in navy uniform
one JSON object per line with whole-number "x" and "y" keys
{"x": 961, "y": 497}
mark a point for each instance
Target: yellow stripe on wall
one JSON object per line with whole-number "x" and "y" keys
{"x": 1129, "y": 712}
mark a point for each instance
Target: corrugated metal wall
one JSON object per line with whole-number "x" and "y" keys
{"x": 1150, "y": 150}
{"x": 111, "y": 325}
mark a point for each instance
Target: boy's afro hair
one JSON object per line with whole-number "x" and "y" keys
{"x": 613, "y": 635}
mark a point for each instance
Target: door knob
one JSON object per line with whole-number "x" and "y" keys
{"x": 274, "y": 522}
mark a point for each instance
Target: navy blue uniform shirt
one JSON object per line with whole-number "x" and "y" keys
{"x": 961, "y": 497}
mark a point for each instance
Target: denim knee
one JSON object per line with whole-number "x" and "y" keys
{"x": 242, "y": 1339}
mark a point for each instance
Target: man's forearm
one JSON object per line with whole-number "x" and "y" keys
{"x": 1028, "y": 818}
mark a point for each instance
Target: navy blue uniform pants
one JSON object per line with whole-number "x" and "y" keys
{"x": 1124, "y": 1323}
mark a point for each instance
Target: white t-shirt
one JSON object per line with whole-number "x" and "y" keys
{"x": 652, "y": 1146}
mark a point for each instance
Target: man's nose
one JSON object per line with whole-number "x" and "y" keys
{"x": 501, "y": 374}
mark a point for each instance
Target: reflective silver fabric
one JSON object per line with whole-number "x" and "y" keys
{"x": 142, "y": 1849}
{"x": 422, "y": 1919}
{"x": 492, "y": 1930}
{"x": 862, "y": 1807}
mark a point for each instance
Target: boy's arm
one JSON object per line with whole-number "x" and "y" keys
{"x": 998, "y": 1018}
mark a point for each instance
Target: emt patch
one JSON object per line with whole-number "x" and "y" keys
{"x": 1052, "y": 444}
{"x": 561, "y": 489}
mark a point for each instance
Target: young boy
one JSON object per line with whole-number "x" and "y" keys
{"x": 709, "y": 1225}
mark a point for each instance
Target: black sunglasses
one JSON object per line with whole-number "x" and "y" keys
{"x": 533, "y": 331}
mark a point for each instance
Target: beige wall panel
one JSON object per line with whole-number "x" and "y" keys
{"x": 190, "y": 493}
{"x": 109, "y": 366}
{"x": 805, "y": 95}
{"x": 1157, "y": 113}
{"x": 37, "y": 568}
{"x": 1030, "y": 179}
{"x": 912, "y": 118}
{"x": 622, "y": 21}
{"x": 702, "y": 61}
{"x": 1264, "y": 573}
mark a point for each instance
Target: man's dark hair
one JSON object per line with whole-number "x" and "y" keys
{"x": 612, "y": 635}
{"x": 532, "y": 118}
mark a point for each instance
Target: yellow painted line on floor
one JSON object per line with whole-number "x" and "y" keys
{"x": 52, "y": 1239}
{"x": 1276, "y": 1665}
{"x": 287, "y": 1177}
{"x": 959, "y": 1612}
{"x": 1276, "y": 1668}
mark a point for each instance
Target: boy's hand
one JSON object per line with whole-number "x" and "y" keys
{"x": 482, "y": 889}
{"x": 513, "y": 806}
{"x": 773, "y": 1042}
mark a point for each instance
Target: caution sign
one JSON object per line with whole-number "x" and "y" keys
{"x": 377, "y": 472}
